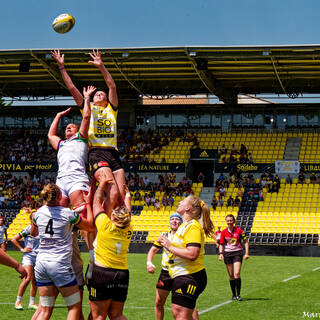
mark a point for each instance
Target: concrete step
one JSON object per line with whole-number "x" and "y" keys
{"x": 292, "y": 151}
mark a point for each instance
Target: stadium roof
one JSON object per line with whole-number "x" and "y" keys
{"x": 222, "y": 71}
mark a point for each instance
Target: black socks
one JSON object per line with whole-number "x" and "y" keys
{"x": 238, "y": 286}
{"x": 233, "y": 287}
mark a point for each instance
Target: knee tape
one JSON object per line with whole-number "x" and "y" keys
{"x": 47, "y": 301}
{"x": 72, "y": 299}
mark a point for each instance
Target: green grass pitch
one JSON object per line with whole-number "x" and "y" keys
{"x": 265, "y": 295}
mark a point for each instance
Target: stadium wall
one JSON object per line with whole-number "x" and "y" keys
{"x": 255, "y": 250}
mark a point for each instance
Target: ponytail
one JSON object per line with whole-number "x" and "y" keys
{"x": 208, "y": 226}
{"x": 199, "y": 210}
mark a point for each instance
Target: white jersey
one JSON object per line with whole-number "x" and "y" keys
{"x": 55, "y": 226}
{"x": 30, "y": 242}
{"x": 2, "y": 231}
{"x": 71, "y": 156}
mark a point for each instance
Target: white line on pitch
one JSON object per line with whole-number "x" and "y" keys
{"x": 296, "y": 276}
{"x": 315, "y": 269}
{"x": 215, "y": 307}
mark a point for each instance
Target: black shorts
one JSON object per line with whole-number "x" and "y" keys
{"x": 164, "y": 281}
{"x": 186, "y": 289}
{"x": 108, "y": 283}
{"x": 109, "y": 155}
{"x": 232, "y": 257}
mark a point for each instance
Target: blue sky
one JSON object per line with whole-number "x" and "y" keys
{"x": 145, "y": 23}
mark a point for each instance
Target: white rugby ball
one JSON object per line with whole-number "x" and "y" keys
{"x": 63, "y": 23}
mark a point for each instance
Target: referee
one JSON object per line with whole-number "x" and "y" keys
{"x": 231, "y": 251}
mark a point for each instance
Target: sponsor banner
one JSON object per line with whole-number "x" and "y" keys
{"x": 157, "y": 167}
{"x": 244, "y": 167}
{"x": 27, "y": 166}
{"x": 310, "y": 167}
{"x": 287, "y": 166}
{"x": 204, "y": 153}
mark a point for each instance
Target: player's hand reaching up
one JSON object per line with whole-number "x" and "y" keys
{"x": 63, "y": 113}
{"x": 96, "y": 58}
{"x": 88, "y": 91}
{"x": 58, "y": 57}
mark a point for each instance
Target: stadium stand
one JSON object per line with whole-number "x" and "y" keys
{"x": 284, "y": 213}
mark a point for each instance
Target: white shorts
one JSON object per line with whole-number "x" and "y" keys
{"x": 69, "y": 184}
{"x": 29, "y": 260}
{"x": 52, "y": 273}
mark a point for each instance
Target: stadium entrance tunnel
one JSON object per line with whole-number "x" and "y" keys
{"x": 206, "y": 167}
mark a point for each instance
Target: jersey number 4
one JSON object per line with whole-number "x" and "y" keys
{"x": 49, "y": 227}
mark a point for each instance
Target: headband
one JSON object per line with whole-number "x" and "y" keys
{"x": 176, "y": 215}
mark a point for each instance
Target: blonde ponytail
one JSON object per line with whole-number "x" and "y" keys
{"x": 198, "y": 210}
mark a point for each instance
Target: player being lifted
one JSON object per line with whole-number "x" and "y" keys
{"x": 103, "y": 155}
{"x": 72, "y": 178}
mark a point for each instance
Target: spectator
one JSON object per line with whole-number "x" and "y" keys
{"x": 220, "y": 201}
{"x": 222, "y": 191}
{"x": 164, "y": 200}
{"x": 172, "y": 177}
{"x": 214, "y": 202}
{"x": 260, "y": 195}
{"x": 250, "y": 194}
{"x": 250, "y": 158}
{"x": 288, "y": 179}
{"x": 201, "y": 177}
{"x": 147, "y": 200}
{"x": 223, "y": 150}
{"x": 137, "y": 196}
{"x": 230, "y": 201}
{"x": 301, "y": 178}
{"x": 157, "y": 204}
{"x": 243, "y": 149}
{"x": 313, "y": 178}
{"x": 170, "y": 201}
{"x": 233, "y": 150}
{"x": 263, "y": 182}
{"x": 274, "y": 187}
{"x": 237, "y": 202}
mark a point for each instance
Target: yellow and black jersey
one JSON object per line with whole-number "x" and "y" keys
{"x": 165, "y": 252}
{"x": 103, "y": 126}
{"x": 189, "y": 233}
{"x": 111, "y": 243}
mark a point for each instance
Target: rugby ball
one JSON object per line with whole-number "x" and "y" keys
{"x": 63, "y": 23}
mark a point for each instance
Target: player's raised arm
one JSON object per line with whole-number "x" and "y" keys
{"x": 77, "y": 96}
{"x": 84, "y": 127}
{"x": 53, "y": 131}
{"x": 97, "y": 61}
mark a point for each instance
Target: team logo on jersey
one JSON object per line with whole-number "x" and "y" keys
{"x": 233, "y": 241}
{"x": 160, "y": 283}
{"x": 179, "y": 291}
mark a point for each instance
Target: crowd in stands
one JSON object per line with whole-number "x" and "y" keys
{"x": 25, "y": 147}
{"x": 235, "y": 156}
{"x": 166, "y": 185}
{"x": 135, "y": 146}
{"x": 17, "y": 192}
